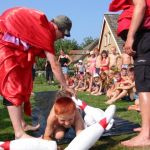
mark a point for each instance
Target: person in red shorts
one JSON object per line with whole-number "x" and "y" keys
{"x": 134, "y": 28}
{"x": 24, "y": 34}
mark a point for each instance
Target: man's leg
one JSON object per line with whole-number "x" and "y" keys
{"x": 145, "y": 113}
{"x": 15, "y": 113}
{"x": 28, "y": 127}
{"x": 143, "y": 139}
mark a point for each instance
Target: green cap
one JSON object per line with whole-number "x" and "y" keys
{"x": 64, "y": 24}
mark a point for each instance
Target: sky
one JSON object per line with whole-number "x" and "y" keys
{"x": 86, "y": 15}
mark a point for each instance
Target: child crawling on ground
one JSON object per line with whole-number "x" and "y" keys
{"x": 63, "y": 116}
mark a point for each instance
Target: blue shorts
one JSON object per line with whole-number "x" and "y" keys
{"x": 64, "y": 70}
{"x": 125, "y": 66}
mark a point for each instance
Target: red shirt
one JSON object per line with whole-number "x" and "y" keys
{"x": 124, "y": 19}
{"x": 29, "y": 25}
{"x": 32, "y": 27}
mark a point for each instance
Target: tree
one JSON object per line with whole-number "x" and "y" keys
{"x": 66, "y": 45}
{"x": 87, "y": 41}
{"x": 40, "y": 62}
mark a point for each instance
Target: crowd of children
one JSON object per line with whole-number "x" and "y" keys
{"x": 106, "y": 73}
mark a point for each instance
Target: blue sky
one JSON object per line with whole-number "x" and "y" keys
{"x": 86, "y": 15}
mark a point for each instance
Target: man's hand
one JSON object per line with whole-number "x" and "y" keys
{"x": 128, "y": 46}
{"x": 70, "y": 90}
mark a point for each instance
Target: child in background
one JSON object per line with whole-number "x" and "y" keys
{"x": 71, "y": 81}
{"x": 87, "y": 82}
{"x": 104, "y": 77}
{"x": 104, "y": 62}
{"x": 75, "y": 80}
{"x": 110, "y": 83}
{"x": 118, "y": 81}
{"x": 124, "y": 74}
{"x": 80, "y": 84}
{"x": 113, "y": 56}
{"x": 126, "y": 60}
{"x": 119, "y": 62}
{"x": 63, "y": 116}
{"x": 80, "y": 68}
{"x": 92, "y": 63}
{"x": 96, "y": 85}
{"x": 123, "y": 87}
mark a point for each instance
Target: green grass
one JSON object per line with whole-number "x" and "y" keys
{"x": 107, "y": 143}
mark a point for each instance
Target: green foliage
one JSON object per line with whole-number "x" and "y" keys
{"x": 40, "y": 62}
{"x": 66, "y": 45}
{"x": 87, "y": 41}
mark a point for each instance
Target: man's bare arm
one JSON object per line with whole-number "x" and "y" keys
{"x": 137, "y": 18}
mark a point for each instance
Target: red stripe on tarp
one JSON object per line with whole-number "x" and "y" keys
{"x": 6, "y": 145}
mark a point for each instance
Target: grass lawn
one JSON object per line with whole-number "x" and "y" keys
{"x": 107, "y": 143}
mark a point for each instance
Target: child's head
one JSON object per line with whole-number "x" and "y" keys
{"x": 96, "y": 51}
{"x": 96, "y": 77}
{"x": 103, "y": 75}
{"x": 80, "y": 62}
{"x": 113, "y": 50}
{"x": 111, "y": 74}
{"x": 64, "y": 109}
{"x": 104, "y": 54}
{"x": 131, "y": 73}
{"x": 117, "y": 76}
{"x": 87, "y": 75}
{"x": 124, "y": 71}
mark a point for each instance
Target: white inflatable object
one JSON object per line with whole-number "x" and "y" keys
{"x": 109, "y": 126}
{"x": 28, "y": 144}
{"x": 90, "y": 119}
{"x": 96, "y": 113}
{"x": 93, "y": 115}
{"x": 88, "y": 137}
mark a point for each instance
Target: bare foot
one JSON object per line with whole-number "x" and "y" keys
{"x": 138, "y": 141}
{"x": 109, "y": 102}
{"x": 134, "y": 107}
{"x": 88, "y": 90}
{"x": 97, "y": 94}
{"x": 28, "y": 127}
{"x": 137, "y": 129}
